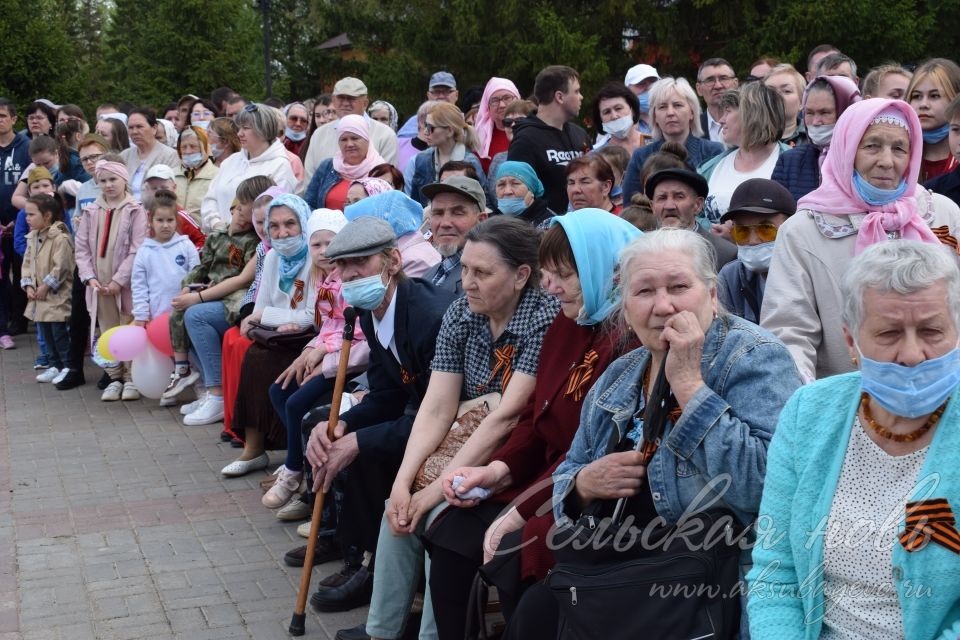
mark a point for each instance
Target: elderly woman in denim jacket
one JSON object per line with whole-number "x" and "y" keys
{"x": 730, "y": 379}
{"x": 857, "y": 530}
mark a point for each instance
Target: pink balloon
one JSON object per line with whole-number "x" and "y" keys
{"x": 158, "y": 332}
{"x": 127, "y": 343}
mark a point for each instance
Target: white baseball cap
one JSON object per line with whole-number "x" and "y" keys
{"x": 639, "y": 73}
{"x": 161, "y": 171}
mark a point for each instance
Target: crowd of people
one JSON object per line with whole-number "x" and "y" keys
{"x": 745, "y": 310}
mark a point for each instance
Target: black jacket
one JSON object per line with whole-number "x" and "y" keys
{"x": 398, "y": 388}
{"x": 947, "y": 185}
{"x": 548, "y": 150}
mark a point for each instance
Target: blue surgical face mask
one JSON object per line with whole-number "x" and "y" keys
{"x": 874, "y": 195}
{"x": 203, "y": 124}
{"x": 617, "y": 191}
{"x": 820, "y": 134}
{"x": 216, "y": 150}
{"x": 365, "y": 293}
{"x": 288, "y": 247}
{"x": 757, "y": 257}
{"x": 511, "y": 206}
{"x": 911, "y": 392}
{"x": 296, "y": 136}
{"x": 937, "y": 135}
{"x": 192, "y": 160}
{"x": 644, "y": 99}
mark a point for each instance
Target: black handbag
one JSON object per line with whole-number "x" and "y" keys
{"x": 280, "y": 340}
{"x": 679, "y": 582}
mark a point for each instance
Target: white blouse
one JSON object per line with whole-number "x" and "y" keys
{"x": 860, "y": 600}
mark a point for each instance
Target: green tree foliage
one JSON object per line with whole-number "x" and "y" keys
{"x": 156, "y": 52}
{"x": 37, "y": 57}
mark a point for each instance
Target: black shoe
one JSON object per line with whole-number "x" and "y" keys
{"x": 104, "y": 381}
{"x": 71, "y": 380}
{"x": 327, "y": 550}
{"x": 353, "y": 593}
{"x": 236, "y": 443}
{"x": 225, "y": 436}
{"x": 359, "y": 632}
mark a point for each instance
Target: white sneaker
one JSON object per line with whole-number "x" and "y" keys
{"x": 60, "y": 376}
{"x": 113, "y": 392}
{"x": 207, "y": 413}
{"x": 303, "y": 530}
{"x": 49, "y": 375}
{"x": 190, "y": 407}
{"x": 130, "y": 392}
{"x": 283, "y": 489}
{"x": 179, "y": 383}
{"x": 168, "y": 402}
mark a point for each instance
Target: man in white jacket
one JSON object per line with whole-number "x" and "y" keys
{"x": 349, "y": 97}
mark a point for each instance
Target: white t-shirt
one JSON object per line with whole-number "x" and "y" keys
{"x": 725, "y": 179}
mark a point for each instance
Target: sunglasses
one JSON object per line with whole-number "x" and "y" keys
{"x": 740, "y": 233}
{"x": 430, "y": 128}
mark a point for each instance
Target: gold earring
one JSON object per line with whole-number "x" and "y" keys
{"x": 854, "y": 361}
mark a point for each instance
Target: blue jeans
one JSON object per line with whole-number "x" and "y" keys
{"x": 291, "y": 405}
{"x": 206, "y": 323}
{"x": 57, "y": 339}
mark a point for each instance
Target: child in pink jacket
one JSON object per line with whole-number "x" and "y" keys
{"x": 108, "y": 236}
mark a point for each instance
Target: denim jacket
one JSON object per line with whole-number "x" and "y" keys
{"x": 424, "y": 173}
{"x": 324, "y": 179}
{"x": 725, "y": 428}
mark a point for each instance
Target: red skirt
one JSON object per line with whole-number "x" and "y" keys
{"x": 234, "y": 349}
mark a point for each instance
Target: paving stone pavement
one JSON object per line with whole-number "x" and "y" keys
{"x": 116, "y": 524}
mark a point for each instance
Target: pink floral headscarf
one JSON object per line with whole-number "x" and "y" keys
{"x": 373, "y": 186}
{"x": 837, "y": 195}
{"x": 484, "y": 121}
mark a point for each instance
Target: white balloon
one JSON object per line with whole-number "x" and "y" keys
{"x": 151, "y": 372}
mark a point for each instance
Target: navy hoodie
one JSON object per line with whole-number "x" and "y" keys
{"x": 548, "y": 150}
{"x": 14, "y": 159}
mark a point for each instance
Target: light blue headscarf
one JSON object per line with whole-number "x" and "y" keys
{"x": 597, "y": 237}
{"x": 524, "y": 173}
{"x": 404, "y": 214}
{"x": 292, "y": 251}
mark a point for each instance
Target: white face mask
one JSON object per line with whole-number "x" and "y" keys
{"x": 619, "y": 128}
{"x": 756, "y": 258}
{"x": 820, "y": 134}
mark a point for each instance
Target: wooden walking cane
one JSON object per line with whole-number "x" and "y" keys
{"x": 299, "y": 616}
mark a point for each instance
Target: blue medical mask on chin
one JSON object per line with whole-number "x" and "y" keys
{"x": 936, "y": 135}
{"x": 911, "y": 392}
{"x": 216, "y": 150}
{"x": 365, "y": 293}
{"x": 296, "y": 136}
{"x": 756, "y": 258}
{"x": 203, "y": 124}
{"x": 874, "y": 195}
{"x": 644, "y": 99}
{"x": 511, "y": 206}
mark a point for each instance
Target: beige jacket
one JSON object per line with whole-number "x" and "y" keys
{"x": 190, "y": 192}
{"x": 49, "y": 261}
{"x": 802, "y": 303}
{"x": 323, "y": 145}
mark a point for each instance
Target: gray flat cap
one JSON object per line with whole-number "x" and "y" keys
{"x": 363, "y": 237}
{"x": 462, "y": 185}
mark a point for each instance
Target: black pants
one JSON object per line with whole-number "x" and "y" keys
{"x": 79, "y": 324}
{"x": 535, "y": 617}
{"x": 451, "y": 576}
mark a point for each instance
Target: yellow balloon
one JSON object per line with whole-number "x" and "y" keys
{"x": 102, "y": 344}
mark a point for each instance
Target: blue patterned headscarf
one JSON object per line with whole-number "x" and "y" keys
{"x": 597, "y": 237}
{"x": 524, "y": 173}
{"x": 292, "y": 251}
{"x": 403, "y": 213}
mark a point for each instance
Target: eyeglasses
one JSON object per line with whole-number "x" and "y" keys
{"x": 201, "y": 114}
{"x": 740, "y": 233}
{"x": 36, "y": 118}
{"x": 441, "y": 91}
{"x": 90, "y": 159}
{"x": 345, "y": 98}
{"x": 430, "y": 128}
{"x": 298, "y": 119}
{"x": 509, "y": 122}
{"x": 495, "y": 102}
{"x": 716, "y": 80}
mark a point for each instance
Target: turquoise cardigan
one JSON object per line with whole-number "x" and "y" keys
{"x": 785, "y": 585}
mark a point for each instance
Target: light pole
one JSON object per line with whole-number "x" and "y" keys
{"x": 265, "y": 10}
